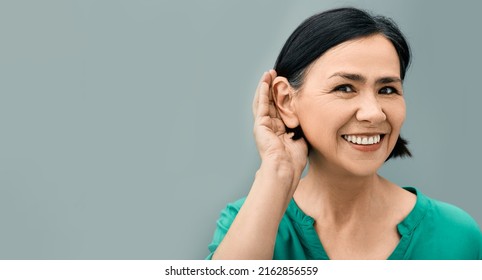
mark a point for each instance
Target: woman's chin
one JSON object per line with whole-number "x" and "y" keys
{"x": 359, "y": 168}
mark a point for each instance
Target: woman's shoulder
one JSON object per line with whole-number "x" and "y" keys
{"x": 292, "y": 213}
{"x": 447, "y": 214}
{"x": 442, "y": 230}
{"x": 443, "y": 214}
{"x": 229, "y": 212}
{"x": 232, "y": 208}
{"x": 223, "y": 224}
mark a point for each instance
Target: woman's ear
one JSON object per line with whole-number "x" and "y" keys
{"x": 283, "y": 97}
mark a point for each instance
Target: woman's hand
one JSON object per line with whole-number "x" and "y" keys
{"x": 252, "y": 235}
{"x": 274, "y": 144}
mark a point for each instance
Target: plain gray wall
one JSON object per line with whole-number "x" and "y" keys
{"x": 126, "y": 125}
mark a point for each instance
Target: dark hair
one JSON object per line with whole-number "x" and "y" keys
{"x": 325, "y": 30}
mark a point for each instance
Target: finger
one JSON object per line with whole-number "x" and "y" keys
{"x": 273, "y": 112}
{"x": 273, "y": 74}
{"x": 273, "y": 109}
{"x": 263, "y": 101}
{"x": 256, "y": 95}
{"x": 262, "y": 106}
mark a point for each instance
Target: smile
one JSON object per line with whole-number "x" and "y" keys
{"x": 363, "y": 140}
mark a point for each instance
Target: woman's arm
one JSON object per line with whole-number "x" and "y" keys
{"x": 252, "y": 234}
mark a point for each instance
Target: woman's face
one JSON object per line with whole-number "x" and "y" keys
{"x": 351, "y": 105}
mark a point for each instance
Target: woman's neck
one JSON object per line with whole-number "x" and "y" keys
{"x": 339, "y": 197}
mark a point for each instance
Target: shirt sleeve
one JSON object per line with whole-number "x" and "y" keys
{"x": 223, "y": 224}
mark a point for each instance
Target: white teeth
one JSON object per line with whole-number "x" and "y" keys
{"x": 363, "y": 140}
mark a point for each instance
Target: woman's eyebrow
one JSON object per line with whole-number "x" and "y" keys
{"x": 350, "y": 76}
{"x": 388, "y": 80}
{"x": 360, "y": 78}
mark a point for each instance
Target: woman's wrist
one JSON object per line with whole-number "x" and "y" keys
{"x": 281, "y": 173}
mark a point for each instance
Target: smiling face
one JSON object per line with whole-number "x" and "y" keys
{"x": 351, "y": 106}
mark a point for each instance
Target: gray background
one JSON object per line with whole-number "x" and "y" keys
{"x": 126, "y": 125}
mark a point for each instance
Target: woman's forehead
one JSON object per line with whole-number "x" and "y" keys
{"x": 366, "y": 56}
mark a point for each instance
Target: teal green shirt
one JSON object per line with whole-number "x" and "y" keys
{"x": 433, "y": 230}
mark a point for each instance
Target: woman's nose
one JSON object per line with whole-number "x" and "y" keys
{"x": 370, "y": 110}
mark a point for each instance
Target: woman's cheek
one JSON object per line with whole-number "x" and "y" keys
{"x": 325, "y": 124}
{"x": 396, "y": 113}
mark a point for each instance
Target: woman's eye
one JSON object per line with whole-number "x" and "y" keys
{"x": 388, "y": 90}
{"x": 344, "y": 88}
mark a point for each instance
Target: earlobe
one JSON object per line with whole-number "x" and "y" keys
{"x": 283, "y": 96}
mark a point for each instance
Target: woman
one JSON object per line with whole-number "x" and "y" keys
{"x": 336, "y": 101}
